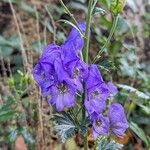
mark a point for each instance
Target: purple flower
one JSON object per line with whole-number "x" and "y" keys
{"x": 94, "y": 77}
{"x": 60, "y": 72}
{"x": 62, "y": 95}
{"x": 117, "y": 118}
{"x": 78, "y": 71}
{"x": 97, "y": 92}
{"x": 73, "y": 44}
{"x": 112, "y": 88}
{"x": 75, "y": 40}
{"x": 44, "y": 68}
{"x": 44, "y": 71}
{"x": 94, "y": 108}
{"x": 63, "y": 92}
{"x": 100, "y": 126}
{"x": 96, "y": 100}
{"x": 50, "y": 53}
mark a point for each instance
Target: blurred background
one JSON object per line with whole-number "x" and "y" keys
{"x": 27, "y": 26}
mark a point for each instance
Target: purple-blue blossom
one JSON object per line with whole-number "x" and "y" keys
{"x": 100, "y": 126}
{"x": 60, "y": 71}
{"x": 117, "y": 118}
{"x": 75, "y": 40}
{"x": 97, "y": 92}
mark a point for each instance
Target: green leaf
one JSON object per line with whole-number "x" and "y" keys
{"x": 12, "y": 41}
{"x": 7, "y": 45}
{"x": 6, "y": 111}
{"x": 146, "y": 109}
{"x": 3, "y": 41}
{"x": 7, "y": 105}
{"x": 104, "y": 144}
{"x": 35, "y": 46}
{"x": 98, "y": 10}
{"x": 139, "y": 132}
{"x": 117, "y": 6}
{"x": 64, "y": 125}
{"x": 6, "y": 115}
{"x": 12, "y": 1}
{"x": 6, "y": 51}
{"x": 133, "y": 90}
{"x": 122, "y": 26}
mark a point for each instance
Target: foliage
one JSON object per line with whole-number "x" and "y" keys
{"x": 134, "y": 127}
{"x": 65, "y": 126}
{"x": 6, "y": 111}
{"x": 104, "y": 144}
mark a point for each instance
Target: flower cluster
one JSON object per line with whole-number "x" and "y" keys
{"x": 61, "y": 72}
{"x": 97, "y": 94}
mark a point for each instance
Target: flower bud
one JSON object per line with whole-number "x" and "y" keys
{"x": 117, "y": 6}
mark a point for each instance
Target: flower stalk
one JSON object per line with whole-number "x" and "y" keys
{"x": 115, "y": 21}
{"x": 85, "y": 57}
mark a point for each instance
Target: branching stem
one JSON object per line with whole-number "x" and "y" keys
{"x": 115, "y": 21}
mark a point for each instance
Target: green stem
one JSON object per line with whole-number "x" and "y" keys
{"x": 87, "y": 32}
{"x": 115, "y": 21}
{"x": 85, "y": 57}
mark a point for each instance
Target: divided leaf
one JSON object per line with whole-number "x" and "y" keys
{"x": 104, "y": 144}
{"x": 64, "y": 125}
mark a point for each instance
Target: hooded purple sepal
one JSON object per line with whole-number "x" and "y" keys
{"x": 117, "y": 118}
{"x": 75, "y": 40}
{"x": 100, "y": 126}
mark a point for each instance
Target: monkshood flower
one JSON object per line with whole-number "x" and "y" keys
{"x": 75, "y": 39}
{"x": 100, "y": 126}
{"x": 117, "y": 118}
{"x": 94, "y": 77}
{"x": 94, "y": 108}
{"x": 63, "y": 92}
{"x": 43, "y": 71}
{"x": 97, "y": 92}
{"x": 60, "y": 71}
{"x": 78, "y": 71}
{"x": 74, "y": 44}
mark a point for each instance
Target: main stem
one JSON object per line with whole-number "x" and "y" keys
{"x": 85, "y": 57}
{"x": 87, "y": 32}
{"x": 115, "y": 20}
